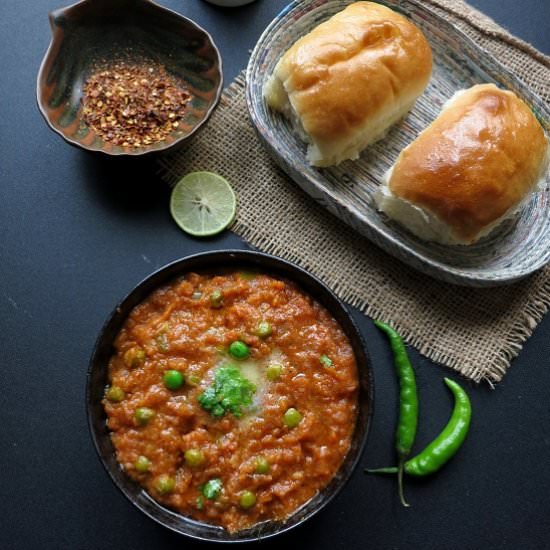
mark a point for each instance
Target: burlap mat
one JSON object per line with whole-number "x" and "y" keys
{"x": 474, "y": 331}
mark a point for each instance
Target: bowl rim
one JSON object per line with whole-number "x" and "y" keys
{"x": 179, "y": 267}
{"x": 117, "y": 153}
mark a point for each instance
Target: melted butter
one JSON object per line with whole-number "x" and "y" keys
{"x": 255, "y": 372}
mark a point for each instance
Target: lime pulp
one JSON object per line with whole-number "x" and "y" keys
{"x": 203, "y": 204}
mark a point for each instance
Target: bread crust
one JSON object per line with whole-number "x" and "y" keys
{"x": 364, "y": 65}
{"x": 480, "y": 158}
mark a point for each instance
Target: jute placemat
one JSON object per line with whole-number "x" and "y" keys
{"x": 474, "y": 331}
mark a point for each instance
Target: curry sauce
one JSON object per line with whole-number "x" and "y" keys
{"x": 233, "y": 440}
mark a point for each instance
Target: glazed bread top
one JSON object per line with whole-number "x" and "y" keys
{"x": 480, "y": 158}
{"x": 366, "y": 62}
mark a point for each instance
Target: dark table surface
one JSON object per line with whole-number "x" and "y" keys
{"x": 77, "y": 232}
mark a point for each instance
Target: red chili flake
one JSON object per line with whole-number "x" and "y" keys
{"x": 134, "y": 104}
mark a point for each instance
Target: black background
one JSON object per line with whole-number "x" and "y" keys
{"x": 77, "y": 232}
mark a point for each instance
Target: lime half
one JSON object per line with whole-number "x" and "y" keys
{"x": 203, "y": 204}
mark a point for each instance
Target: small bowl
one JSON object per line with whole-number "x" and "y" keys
{"x": 97, "y": 379}
{"x": 94, "y": 32}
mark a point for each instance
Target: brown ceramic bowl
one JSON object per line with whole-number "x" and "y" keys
{"x": 93, "y": 32}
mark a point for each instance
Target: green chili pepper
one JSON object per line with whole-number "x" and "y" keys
{"x": 408, "y": 401}
{"x": 446, "y": 444}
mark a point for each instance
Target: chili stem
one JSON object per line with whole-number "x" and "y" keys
{"x": 388, "y": 470}
{"x": 400, "y": 482}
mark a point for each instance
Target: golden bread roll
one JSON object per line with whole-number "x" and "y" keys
{"x": 347, "y": 81}
{"x": 473, "y": 167}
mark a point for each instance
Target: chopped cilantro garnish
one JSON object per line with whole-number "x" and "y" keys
{"x": 230, "y": 392}
{"x": 212, "y": 488}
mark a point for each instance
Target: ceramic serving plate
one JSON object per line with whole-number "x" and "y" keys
{"x": 516, "y": 249}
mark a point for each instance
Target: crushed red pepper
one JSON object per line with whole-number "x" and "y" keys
{"x": 134, "y": 104}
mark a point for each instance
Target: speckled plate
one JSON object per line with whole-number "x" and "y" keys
{"x": 516, "y": 249}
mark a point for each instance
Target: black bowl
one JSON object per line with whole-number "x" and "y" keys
{"x": 97, "y": 380}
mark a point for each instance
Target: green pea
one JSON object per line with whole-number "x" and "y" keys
{"x": 200, "y": 502}
{"x": 247, "y": 499}
{"x": 263, "y": 330}
{"x": 262, "y": 465}
{"x": 273, "y": 371}
{"x": 143, "y": 415}
{"x": 194, "y": 457}
{"x": 325, "y": 360}
{"x": 173, "y": 379}
{"x": 239, "y": 350}
{"x": 292, "y": 418}
{"x": 165, "y": 484}
{"x": 216, "y": 299}
{"x": 142, "y": 464}
{"x": 115, "y": 394}
{"x": 212, "y": 488}
{"x": 134, "y": 357}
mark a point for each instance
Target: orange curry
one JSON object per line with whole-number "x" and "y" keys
{"x": 232, "y": 397}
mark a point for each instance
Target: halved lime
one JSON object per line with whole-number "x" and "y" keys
{"x": 203, "y": 204}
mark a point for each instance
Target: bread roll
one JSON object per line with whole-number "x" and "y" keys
{"x": 473, "y": 167}
{"x": 347, "y": 81}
